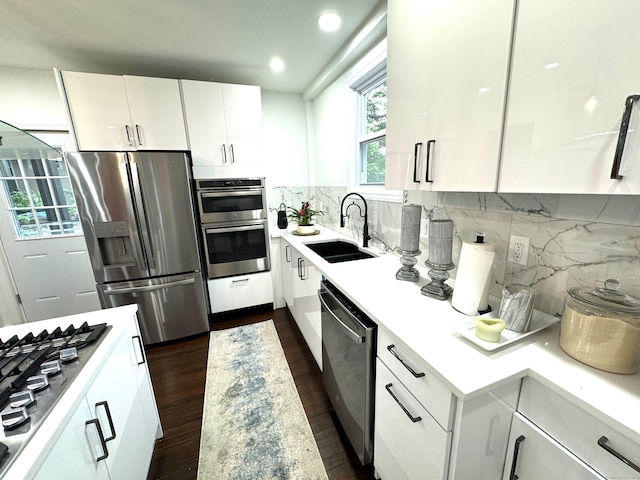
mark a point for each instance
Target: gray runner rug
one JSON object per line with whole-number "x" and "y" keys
{"x": 254, "y": 426}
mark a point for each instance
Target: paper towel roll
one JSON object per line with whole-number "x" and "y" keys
{"x": 471, "y": 291}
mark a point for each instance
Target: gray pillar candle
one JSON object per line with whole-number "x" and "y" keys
{"x": 440, "y": 241}
{"x": 410, "y": 229}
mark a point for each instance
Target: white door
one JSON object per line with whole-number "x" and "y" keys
{"x": 47, "y": 259}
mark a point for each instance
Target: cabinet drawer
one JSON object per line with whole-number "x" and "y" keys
{"x": 578, "y": 431}
{"x": 242, "y": 291}
{"x": 430, "y": 392}
{"x": 406, "y": 449}
{"x": 534, "y": 455}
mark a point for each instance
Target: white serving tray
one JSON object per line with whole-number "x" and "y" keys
{"x": 539, "y": 321}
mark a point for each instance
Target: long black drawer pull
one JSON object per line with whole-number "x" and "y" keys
{"x": 429, "y": 144}
{"x": 602, "y": 441}
{"x": 411, "y": 370}
{"x": 109, "y": 419}
{"x": 514, "y": 462}
{"x": 101, "y": 436}
{"x": 404, "y": 409}
{"x": 141, "y": 349}
{"x": 416, "y": 150}
{"x": 622, "y": 137}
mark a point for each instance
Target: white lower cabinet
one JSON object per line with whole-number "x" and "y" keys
{"x": 534, "y": 455}
{"x": 306, "y": 304}
{"x": 286, "y": 258}
{"x": 76, "y": 450}
{"x": 409, "y": 443}
{"x": 606, "y": 450}
{"x": 481, "y": 433}
{"x": 113, "y": 430}
{"x": 242, "y": 291}
{"x": 300, "y": 284}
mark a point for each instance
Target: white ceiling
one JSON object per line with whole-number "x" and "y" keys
{"x": 221, "y": 40}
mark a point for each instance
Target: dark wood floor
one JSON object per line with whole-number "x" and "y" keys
{"x": 178, "y": 374}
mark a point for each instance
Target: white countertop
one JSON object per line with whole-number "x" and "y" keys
{"x": 428, "y": 327}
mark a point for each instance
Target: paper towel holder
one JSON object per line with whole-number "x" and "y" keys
{"x": 439, "y": 261}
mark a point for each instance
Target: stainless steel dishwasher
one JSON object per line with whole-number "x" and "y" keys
{"x": 348, "y": 366}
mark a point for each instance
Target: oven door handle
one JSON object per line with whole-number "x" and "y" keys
{"x": 355, "y": 336}
{"x": 231, "y": 193}
{"x": 242, "y": 228}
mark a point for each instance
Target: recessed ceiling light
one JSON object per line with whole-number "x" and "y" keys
{"x": 329, "y": 21}
{"x": 276, "y": 64}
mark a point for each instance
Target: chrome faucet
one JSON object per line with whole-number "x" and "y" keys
{"x": 365, "y": 230}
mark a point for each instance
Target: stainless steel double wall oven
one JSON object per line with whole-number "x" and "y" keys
{"x": 235, "y": 234}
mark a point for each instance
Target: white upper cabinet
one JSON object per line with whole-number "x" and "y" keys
{"x": 112, "y": 112}
{"x": 446, "y": 77}
{"x": 224, "y": 124}
{"x": 574, "y": 67}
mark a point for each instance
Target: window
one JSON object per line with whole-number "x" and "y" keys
{"x": 371, "y": 127}
{"x": 39, "y": 194}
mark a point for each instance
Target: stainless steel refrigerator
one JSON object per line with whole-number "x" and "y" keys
{"x": 137, "y": 215}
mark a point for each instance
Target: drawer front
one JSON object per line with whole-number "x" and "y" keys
{"x": 579, "y": 431}
{"x": 430, "y": 392}
{"x": 406, "y": 449}
{"x": 231, "y": 293}
{"x": 534, "y": 455}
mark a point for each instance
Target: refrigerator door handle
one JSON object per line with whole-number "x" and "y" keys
{"x": 141, "y": 210}
{"x": 148, "y": 288}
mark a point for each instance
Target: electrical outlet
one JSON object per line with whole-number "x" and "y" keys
{"x": 518, "y": 249}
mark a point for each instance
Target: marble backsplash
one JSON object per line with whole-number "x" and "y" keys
{"x": 576, "y": 240}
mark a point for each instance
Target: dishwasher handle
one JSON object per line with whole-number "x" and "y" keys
{"x": 355, "y": 336}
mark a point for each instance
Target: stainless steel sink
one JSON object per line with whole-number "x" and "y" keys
{"x": 339, "y": 251}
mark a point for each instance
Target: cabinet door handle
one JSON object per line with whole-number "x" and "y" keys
{"x": 416, "y": 151}
{"x": 224, "y": 153}
{"x": 514, "y": 462}
{"x": 602, "y": 441}
{"x": 128, "y": 130}
{"x": 105, "y": 451}
{"x": 622, "y": 136}
{"x": 404, "y": 409}
{"x": 141, "y": 349}
{"x": 139, "y": 134}
{"x": 287, "y": 253}
{"x": 430, "y": 143}
{"x": 299, "y": 271}
{"x": 488, "y": 450}
{"x": 303, "y": 276}
{"x": 242, "y": 280}
{"x": 109, "y": 419}
{"x": 411, "y": 370}
{"x": 233, "y": 155}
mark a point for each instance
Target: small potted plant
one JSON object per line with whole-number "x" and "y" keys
{"x": 304, "y": 218}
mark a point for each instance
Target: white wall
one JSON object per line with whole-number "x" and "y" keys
{"x": 284, "y": 136}
{"x": 333, "y": 130}
{"x": 29, "y": 99}
{"x": 333, "y": 124}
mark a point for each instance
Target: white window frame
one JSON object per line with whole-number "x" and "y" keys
{"x": 59, "y": 143}
{"x": 374, "y": 68}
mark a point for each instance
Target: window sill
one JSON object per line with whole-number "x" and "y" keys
{"x": 380, "y": 194}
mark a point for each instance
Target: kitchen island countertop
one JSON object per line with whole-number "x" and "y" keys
{"x": 429, "y": 328}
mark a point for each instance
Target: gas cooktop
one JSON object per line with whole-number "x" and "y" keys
{"x": 35, "y": 371}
